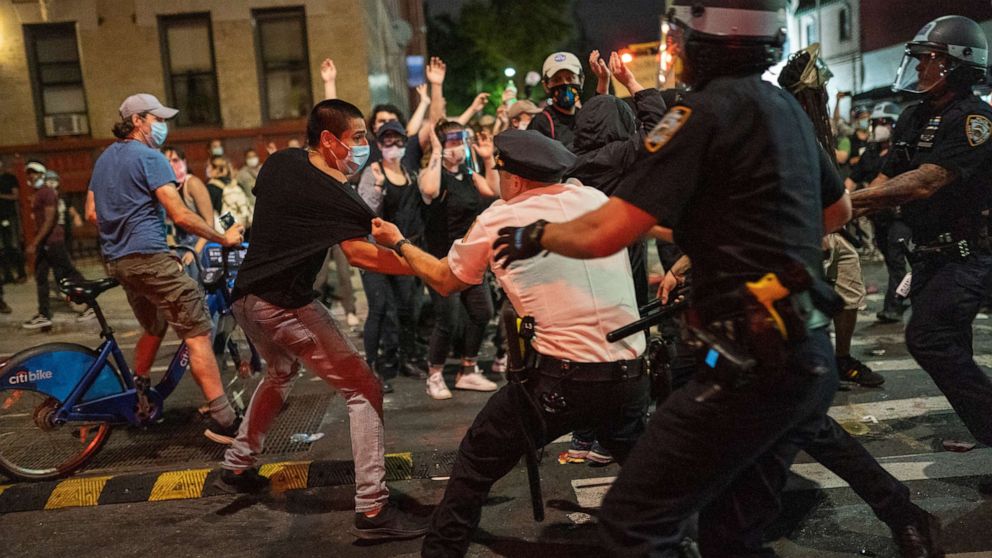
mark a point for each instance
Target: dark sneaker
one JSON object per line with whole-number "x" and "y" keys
{"x": 222, "y": 434}
{"x": 386, "y": 386}
{"x": 578, "y": 450}
{"x": 599, "y": 455}
{"x": 887, "y": 317}
{"x": 412, "y": 369}
{"x": 853, "y": 370}
{"x": 391, "y": 523}
{"x": 245, "y": 481}
{"x": 37, "y": 322}
{"x": 5, "y": 308}
{"x": 920, "y": 539}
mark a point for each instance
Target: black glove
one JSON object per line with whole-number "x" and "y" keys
{"x": 519, "y": 243}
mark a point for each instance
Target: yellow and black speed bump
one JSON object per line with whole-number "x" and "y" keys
{"x": 198, "y": 483}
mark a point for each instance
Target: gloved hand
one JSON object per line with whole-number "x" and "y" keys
{"x": 519, "y": 243}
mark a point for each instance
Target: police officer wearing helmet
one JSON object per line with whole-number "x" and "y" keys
{"x": 578, "y": 379}
{"x": 938, "y": 172}
{"x": 562, "y": 78}
{"x": 736, "y": 170}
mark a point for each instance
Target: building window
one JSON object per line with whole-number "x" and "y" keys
{"x": 284, "y": 67}
{"x": 190, "y": 75}
{"x": 844, "y": 23}
{"x": 53, "y": 56}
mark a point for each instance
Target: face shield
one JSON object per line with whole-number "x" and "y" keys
{"x": 923, "y": 68}
{"x": 671, "y": 55}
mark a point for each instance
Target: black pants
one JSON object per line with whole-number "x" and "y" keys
{"x": 380, "y": 331}
{"x": 406, "y": 294}
{"x": 887, "y": 236}
{"x": 478, "y": 303}
{"x": 493, "y": 445}
{"x": 945, "y": 300}
{"x": 726, "y": 459}
{"x": 11, "y": 255}
{"x": 56, "y": 259}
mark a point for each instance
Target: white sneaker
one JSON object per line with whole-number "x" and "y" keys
{"x": 474, "y": 381}
{"x": 436, "y": 387}
{"x": 352, "y": 319}
{"x": 499, "y": 365}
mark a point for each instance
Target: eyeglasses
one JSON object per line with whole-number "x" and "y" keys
{"x": 393, "y": 142}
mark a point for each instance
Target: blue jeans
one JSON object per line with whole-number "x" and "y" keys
{"x": 945, "y": 302}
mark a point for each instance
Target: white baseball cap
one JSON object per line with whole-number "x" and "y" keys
{"x": 561, "y": 61}
{"x": 144, "y": 102}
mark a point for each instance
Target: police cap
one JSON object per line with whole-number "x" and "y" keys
{"x": 531, "y": 155}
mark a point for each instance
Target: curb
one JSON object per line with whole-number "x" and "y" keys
{"x": 188, "y": 484}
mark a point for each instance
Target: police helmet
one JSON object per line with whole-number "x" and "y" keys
{"x": 886, "y": 111}
{"x": 720, "y": 37}
{"x": 963, "y": 44}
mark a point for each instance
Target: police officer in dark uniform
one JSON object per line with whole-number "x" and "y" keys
{"x": 736, "y": 170}
{"x": 939, "y": 172}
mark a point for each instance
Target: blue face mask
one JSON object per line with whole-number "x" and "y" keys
{"x": 160, "y": 131}
{"x": 564, "y": 95}
{"x": 360, "y": 155}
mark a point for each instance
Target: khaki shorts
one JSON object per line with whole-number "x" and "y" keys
{"x": 161, "y": 294}
{"x": 843, "y": 270}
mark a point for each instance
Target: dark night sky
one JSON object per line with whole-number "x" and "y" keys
{"x": 609, "y": 24}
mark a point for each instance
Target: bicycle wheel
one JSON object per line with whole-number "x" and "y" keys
{"x": 32, "y": 445}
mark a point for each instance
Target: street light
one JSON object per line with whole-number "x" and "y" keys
{"x": 509, "y": 72}
{"x": 627, "y": 57}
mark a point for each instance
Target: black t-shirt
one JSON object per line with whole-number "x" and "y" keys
{"x": 300, "y": 212}
{"x": 868, "y": 166}
{"x": 449, "y": 216}
{"x": 956, "y": 138}
{"x": 401, "y": 206}
{"x": 8, "y": 183}
{"x": 737, "y": 171}
{"x": 556, "y": 125}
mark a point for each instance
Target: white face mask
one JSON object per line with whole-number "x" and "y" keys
{"x": 252, "y": 162}
{"x": 881, "y": 134}
{"x": 217, "y": 151}
{"x": 454, "y": 155}
{"x": 393, "y": 153}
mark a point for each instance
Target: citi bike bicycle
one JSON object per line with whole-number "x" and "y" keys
{"x": 59, "y": 401}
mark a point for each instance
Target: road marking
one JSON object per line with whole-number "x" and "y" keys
{"x": 179, "y": 485}
{"x": 926, "y": 466}
{"x": 288, "y": 475}
{"x": 72, "y": 493}
{"x": 910, "y": 364}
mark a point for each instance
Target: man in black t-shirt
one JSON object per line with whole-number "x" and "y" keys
{"x": 304, "y": 206}
{"x": 11, "y": 256}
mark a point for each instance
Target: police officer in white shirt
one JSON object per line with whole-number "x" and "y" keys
{"x": 580, "y": 380}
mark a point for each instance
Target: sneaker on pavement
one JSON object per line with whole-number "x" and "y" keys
{"x": 390, "y": 523}
{"x": 436, "y": 387}
{"x": 599, "y": 455}
{"x": 386, "y": 386}
{"x": 853, "y": 370}
{"x": 412, "y": 369}
{"x": 222, "y": 434}
{"x": 887, "y": 317}
{"x": 919, "y": 539}
{"x": 499, "y": 365}
{"x": 37, "y": 322}
{"x": 578, "y": 450}
{"x": 471, "y": 379}
{"x": 245, "y": 481}
{"x": 86, "y": 315}
{"x": 5, "y": 308}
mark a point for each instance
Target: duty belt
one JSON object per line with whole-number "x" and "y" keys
{"x": 589, "y": 371}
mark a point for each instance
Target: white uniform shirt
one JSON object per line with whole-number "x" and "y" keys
{"x": 575, "y": 303}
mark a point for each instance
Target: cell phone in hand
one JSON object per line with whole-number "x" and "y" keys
{"x": 227, "y": 220}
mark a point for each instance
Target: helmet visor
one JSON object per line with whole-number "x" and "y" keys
{"x": 671, "y": 54}
{"x": 922, "y": 69}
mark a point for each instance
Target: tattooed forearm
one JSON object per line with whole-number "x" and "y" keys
{"x": 913, "y": 185}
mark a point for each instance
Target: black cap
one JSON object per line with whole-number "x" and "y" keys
{"x": 532, "y": 155}
{"x": 392, "y": 126}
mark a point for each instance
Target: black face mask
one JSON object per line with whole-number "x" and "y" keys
{"x": 565, "y": 95}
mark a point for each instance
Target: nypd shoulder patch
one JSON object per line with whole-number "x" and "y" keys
{"x": 978, "y": 128}
{"x": 670, "y": 124}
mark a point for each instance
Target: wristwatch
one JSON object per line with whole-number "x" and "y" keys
{"x": 399, "y": 245}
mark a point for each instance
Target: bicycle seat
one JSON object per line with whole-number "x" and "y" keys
{"x": 85, "y": 292}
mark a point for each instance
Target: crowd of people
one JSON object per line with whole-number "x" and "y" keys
{"x": 547, "y": 209}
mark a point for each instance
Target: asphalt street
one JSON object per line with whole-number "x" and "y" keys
{"x": 904, "y": 424}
